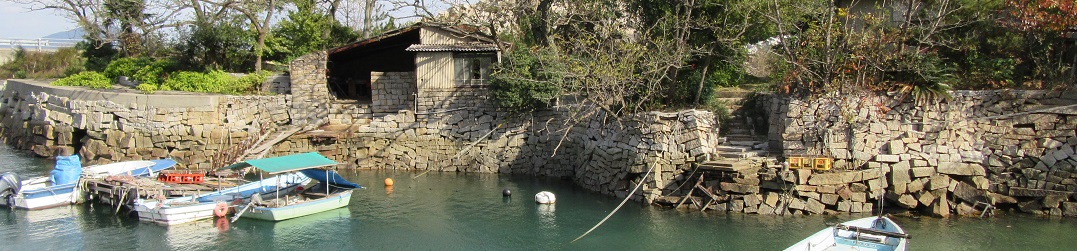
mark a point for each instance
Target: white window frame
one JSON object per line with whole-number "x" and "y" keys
{"x": 472, "y": 69}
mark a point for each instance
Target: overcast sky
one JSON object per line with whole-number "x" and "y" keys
{"x": 17, "y": 22}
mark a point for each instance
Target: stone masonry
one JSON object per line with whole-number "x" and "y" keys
{"x": 1004, "y": 149}
{"x": 453, "y": 131}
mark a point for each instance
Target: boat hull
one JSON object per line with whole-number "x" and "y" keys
{"x": 99, "y": 171}
{"x": 836, "y": 239}
{"x": 330, "y": 202}
{"x": 174, "y": 214}
{"x": 40, "y": 196}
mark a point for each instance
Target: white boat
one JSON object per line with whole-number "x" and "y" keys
{"x": 192, "y": 208}
{"x": 57, "y": 189}
{"x": 35, "y": 193}
{"x": 40, "y": 192}
{"x": 877, "y": 233}
{"x": 100, "y": 171}
{"x": 331, "y": 192}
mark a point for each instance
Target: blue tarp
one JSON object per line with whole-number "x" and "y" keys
{"x": 67, "y": 170}
{"x": 334, "y": 178}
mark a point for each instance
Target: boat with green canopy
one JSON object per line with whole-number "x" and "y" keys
{"x": 330, "y": 192}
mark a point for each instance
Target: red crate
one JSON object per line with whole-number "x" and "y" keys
{"x": 182, "y": 178}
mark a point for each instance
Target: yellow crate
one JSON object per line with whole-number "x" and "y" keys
{"x": 798, "y": 162}
{"x": 821, "y": 164}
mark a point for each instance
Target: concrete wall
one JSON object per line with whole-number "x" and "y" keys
{"x": 1008, "y": 148}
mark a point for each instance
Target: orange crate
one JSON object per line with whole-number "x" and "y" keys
{"x": 182, "y": 178}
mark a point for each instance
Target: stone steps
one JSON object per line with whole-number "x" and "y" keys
{"x": 743, "y": 155}
{"x": 729, "y": 165}
{"x": 744, "y": 143}
{"x": 732, "y": 149}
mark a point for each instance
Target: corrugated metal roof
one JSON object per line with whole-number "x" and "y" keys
{"x": 452, "y": 47}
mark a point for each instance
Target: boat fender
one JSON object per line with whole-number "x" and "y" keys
{"x": 545, "y": 197}
{"x": 221, "y": 209}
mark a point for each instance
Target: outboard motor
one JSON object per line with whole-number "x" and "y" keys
{"x": 10, "y": 184}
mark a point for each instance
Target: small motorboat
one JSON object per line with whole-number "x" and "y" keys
{"x": 57, "y": 189}
{"x": 331, "y": 192}
{"x": 872, "y": 233}
{"x": 60, "y": 188}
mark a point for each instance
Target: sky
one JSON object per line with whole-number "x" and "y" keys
{"x": 17, "y": 22}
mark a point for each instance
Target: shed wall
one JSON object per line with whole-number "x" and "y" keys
{"x": 434, "y": 70}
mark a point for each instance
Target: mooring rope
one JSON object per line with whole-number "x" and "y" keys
{"x": 629, "y": 196}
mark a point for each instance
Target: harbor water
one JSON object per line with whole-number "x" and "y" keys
{"x": 458, "y": 211}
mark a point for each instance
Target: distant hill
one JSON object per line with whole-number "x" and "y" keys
{"x": 76, "y": 33}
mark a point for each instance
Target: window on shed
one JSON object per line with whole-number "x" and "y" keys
{"x": 471, "y": 69}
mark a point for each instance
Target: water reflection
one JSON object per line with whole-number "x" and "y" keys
{"x": 547, "y": 218}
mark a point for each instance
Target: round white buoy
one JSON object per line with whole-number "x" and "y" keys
{"x": 545, "y": 197}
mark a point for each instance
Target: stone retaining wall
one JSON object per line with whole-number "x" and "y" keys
{"x": 455, "y": 131}
{"x": 106, "y": 127}
{"x": 1006, "y": 148}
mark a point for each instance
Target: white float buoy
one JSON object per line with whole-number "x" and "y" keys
{"x": 545, "y": 197}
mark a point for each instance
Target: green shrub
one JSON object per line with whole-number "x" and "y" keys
{"x": 91, "y": 79}
{"x": 153, "y": 73}
{"x": 527, "y": 79}
{"x": 214, "y": 82}
{"x": 125, "y": 67}
{"x": 250, "y": 82}
{"x": 146, "y": 88}
{"x": 195, "y": 81}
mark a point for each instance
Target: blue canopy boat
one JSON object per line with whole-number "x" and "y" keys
{"x": 331, "y": 192}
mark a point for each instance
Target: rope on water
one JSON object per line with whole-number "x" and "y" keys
{"x": 629, "y": 196}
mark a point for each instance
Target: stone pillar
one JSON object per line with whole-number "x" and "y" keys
{"x": 310, "y": 92}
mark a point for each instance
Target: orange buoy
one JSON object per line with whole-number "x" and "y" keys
{"x": 388, "y": 181}
{"x": 221, "y": 209}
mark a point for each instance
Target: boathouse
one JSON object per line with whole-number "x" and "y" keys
{"x": 421, "y": 68}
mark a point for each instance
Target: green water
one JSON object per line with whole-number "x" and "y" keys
{"x": 452, "y": 211}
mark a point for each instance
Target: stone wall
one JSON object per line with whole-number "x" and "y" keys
{"x": 449, "y": 130}
{"x": 392, "y": 91}
{"x": 278, "y": 84}
{"x": 461, "y": 132}
{"x": 112, "y": 126}
{"x": 310, "y": 96}
{"x": 1006, "y": 148}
